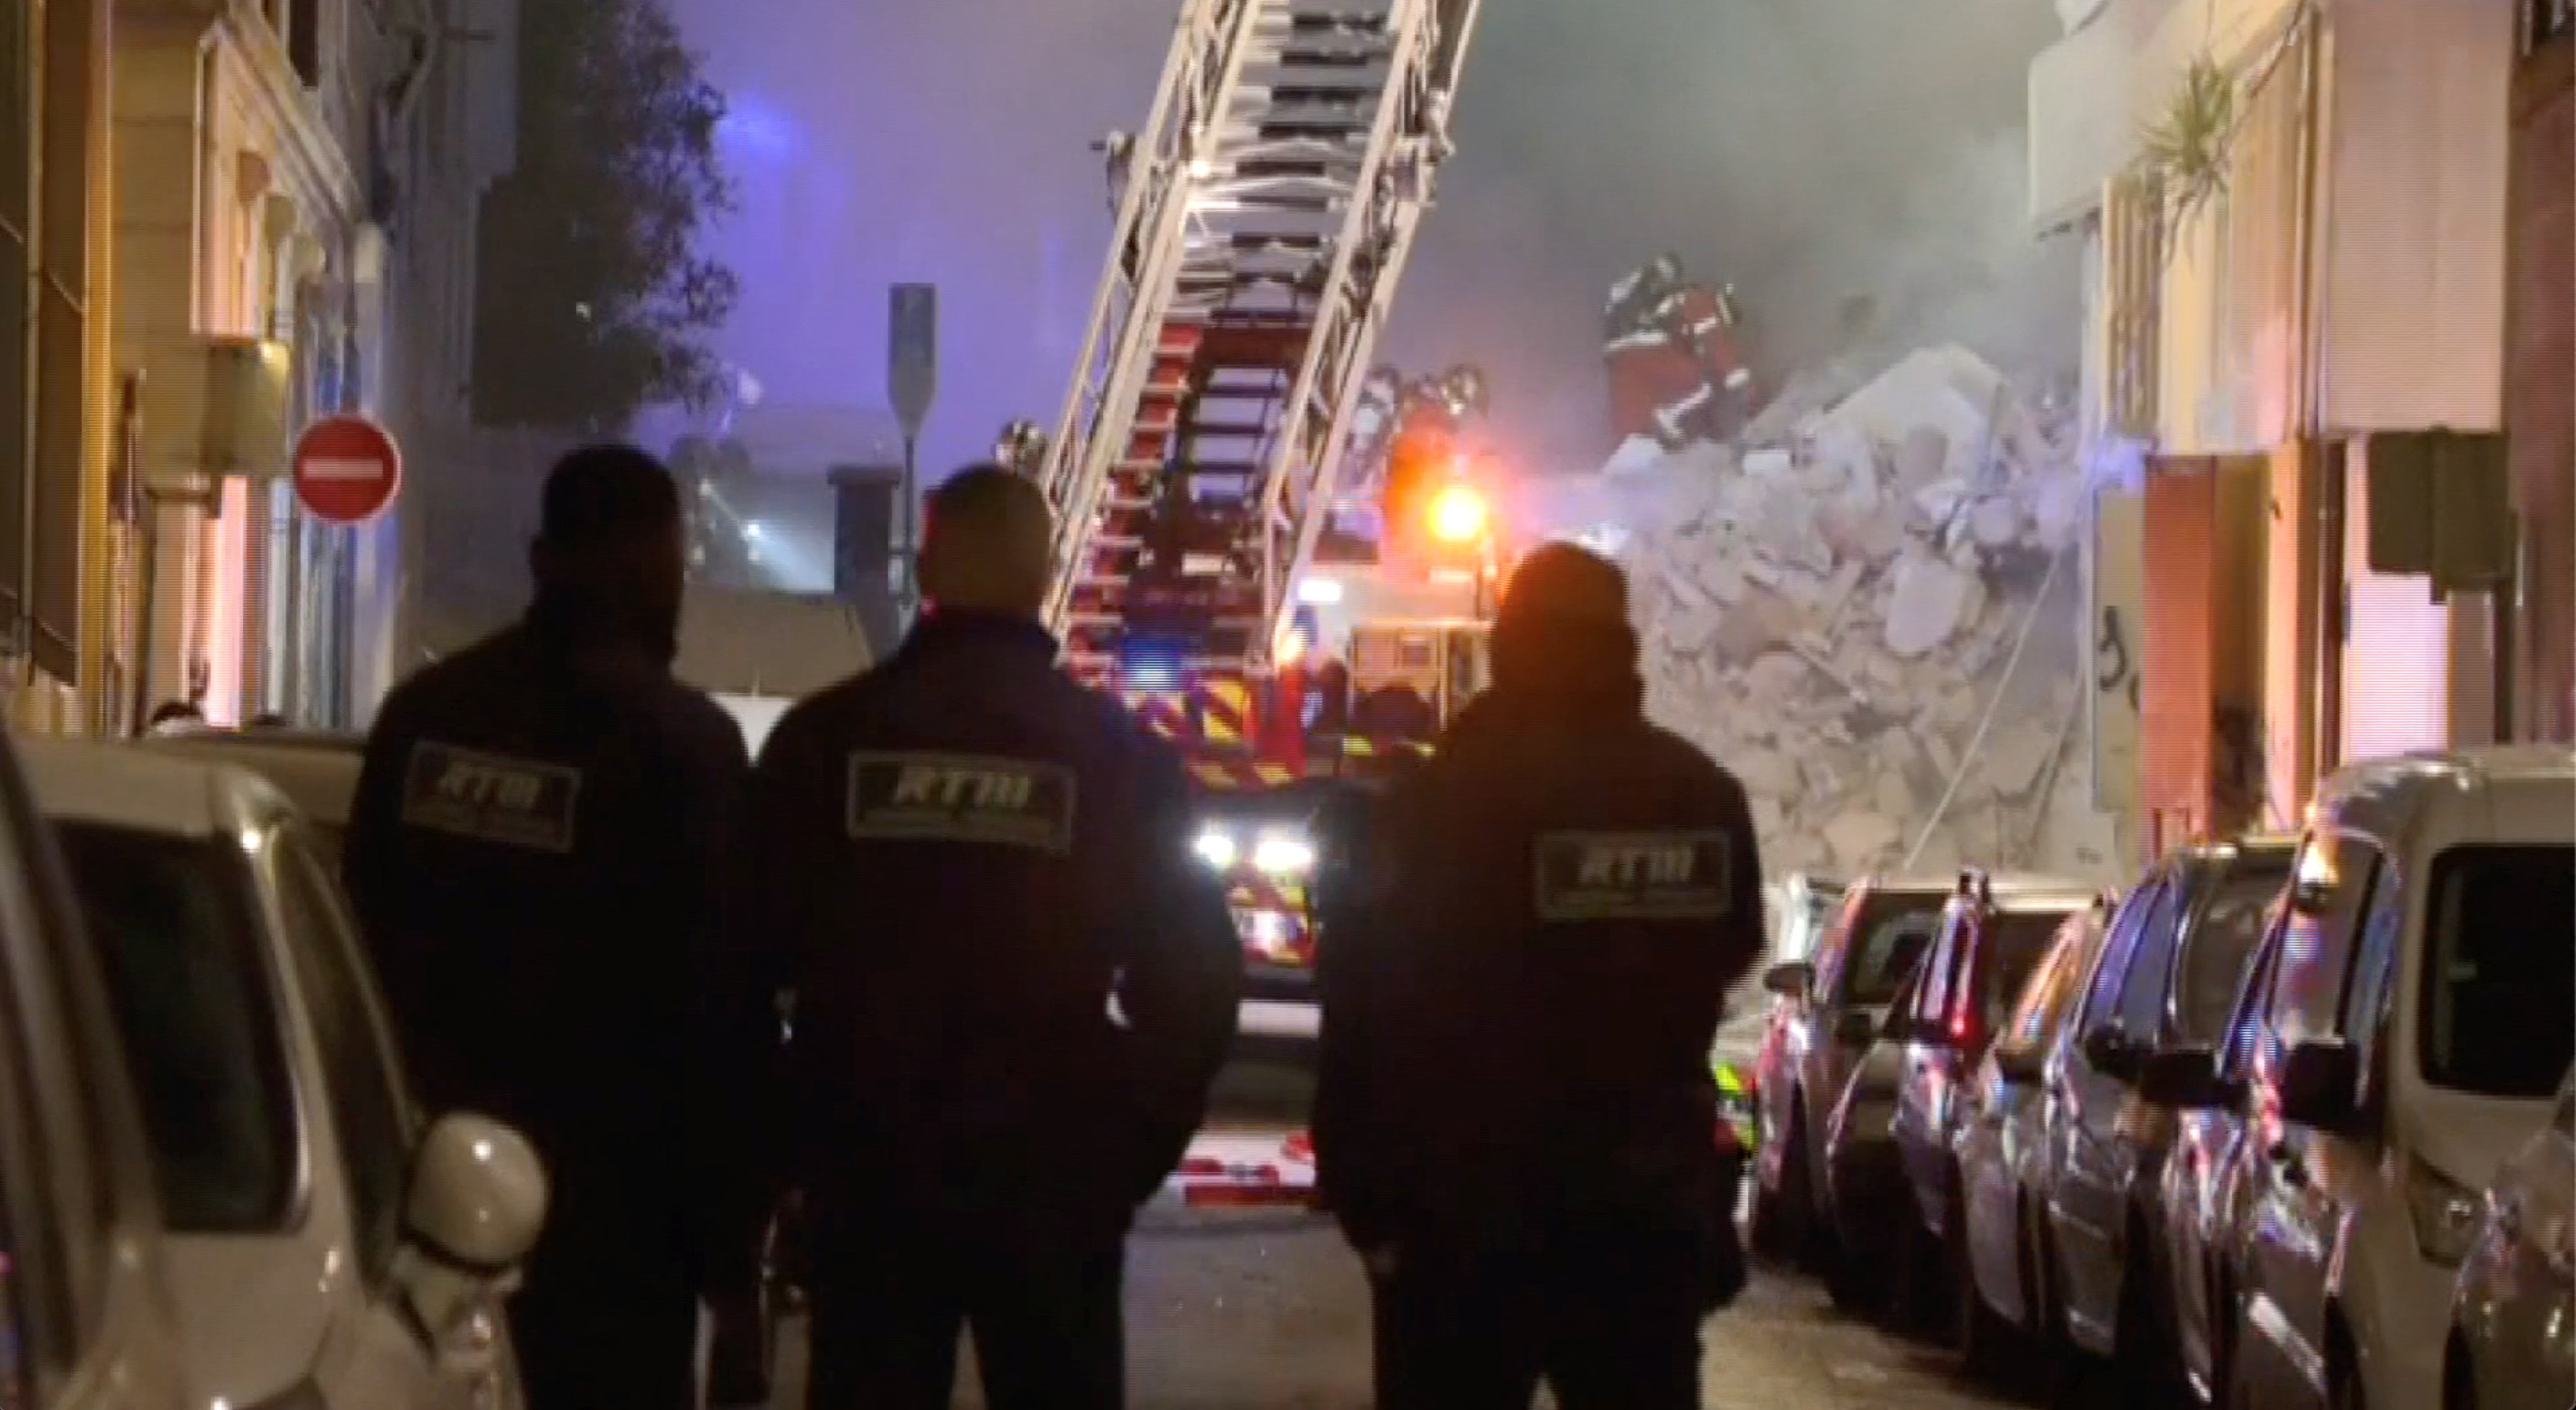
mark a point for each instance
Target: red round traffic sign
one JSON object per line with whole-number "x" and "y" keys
{"x": 346, "y": 469}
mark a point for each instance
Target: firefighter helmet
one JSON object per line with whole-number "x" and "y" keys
{"x": 1464, "y": 388}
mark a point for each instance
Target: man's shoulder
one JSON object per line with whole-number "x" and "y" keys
{"x": 1711, "y": 786}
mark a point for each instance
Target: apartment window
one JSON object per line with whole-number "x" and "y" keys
{"x": 18, "y": 136}
{"x": 304, "y": 40}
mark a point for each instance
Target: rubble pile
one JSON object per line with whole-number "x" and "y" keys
{"x": 1872, "y": 612}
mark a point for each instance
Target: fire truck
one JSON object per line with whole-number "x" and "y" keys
{"x": 1221, "y": 570}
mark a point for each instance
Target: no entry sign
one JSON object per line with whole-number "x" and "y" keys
{"x": 346, "y": 469}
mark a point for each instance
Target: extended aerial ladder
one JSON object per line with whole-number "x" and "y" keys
{"x": 1264, "y": 216}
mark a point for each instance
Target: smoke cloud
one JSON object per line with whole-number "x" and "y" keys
{"x": 1854, "y": 167}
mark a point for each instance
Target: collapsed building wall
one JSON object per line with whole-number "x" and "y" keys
{"x": 1874, "y": 614}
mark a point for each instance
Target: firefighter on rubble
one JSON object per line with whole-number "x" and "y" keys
{"x": 1514, "y": 1107}
{"x": 964, "y": 857}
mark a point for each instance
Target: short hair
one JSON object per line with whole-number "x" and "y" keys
{"x": 1566, "y": 582}
{"x": 988, "y": 541}
{"x": 605, "y": 493}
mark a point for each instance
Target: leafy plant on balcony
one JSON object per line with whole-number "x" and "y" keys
{"x": 2186, "y": 149}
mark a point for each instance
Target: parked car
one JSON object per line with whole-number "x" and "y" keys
{"x": 2003, "y": 1300}
{"x": 2176, "y": 952}
{"x": 86, "y": 1270}
{"x": 1991, "y": 942}
{"x": 323, "y": 1243}
{"x": 1827, "y": 1012}
{"x": 2513, "y": 1313}
{"x": 2202, "y": 1192}
{"x": 1864, "y": 1189}
{"x": 2421, "y": 1014}
{"x": 317, "y": 770}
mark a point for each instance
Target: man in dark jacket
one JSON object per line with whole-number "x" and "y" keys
{"x": 1516, "y": 1126}
{"x": 535, "y": 851}
{"x": 966, "y": 858}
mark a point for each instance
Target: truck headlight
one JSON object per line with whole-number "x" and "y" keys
{"x": 1215, "y": 846}
{"x": 1285, "y": 854}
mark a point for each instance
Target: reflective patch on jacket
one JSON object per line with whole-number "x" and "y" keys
{"x": 496, "y": 798}
{"x": 971, "y": 798}
{"x": 1632, "y": 876}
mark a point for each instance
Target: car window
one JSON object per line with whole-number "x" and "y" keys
{"x": 2141, "y": 1009}
{"x": 2499, "y": 992}
{"x": 1940, "y": 963}
{"x": 176, "y": 925}
{"x": 1890, "y": 930}
{"x": 2246, "y": 1017}
{"x": 2118, "y": 946}
{"x": 2317, "y": 943}
{"x": 2011, "y": 948}
{"x": 2043, "y": 1000}
{"x": 2222, "y": 940}
{"x": 370, "y": 1106}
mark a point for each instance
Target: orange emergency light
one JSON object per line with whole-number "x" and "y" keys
{"x": 1458, "y": 515}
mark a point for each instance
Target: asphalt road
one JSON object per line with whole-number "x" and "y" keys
{"x": 1263, "y": 1310}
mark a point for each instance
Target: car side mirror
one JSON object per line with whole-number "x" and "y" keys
{"x": 1855, "y": 1029}
{"x": 2019, "y": 1066}
{"x": 2183, "y": 1079}
{"x": 477, "y": 1203}
{"x": 2110, "y": 1051}
{"x": 1789, "y": 979}
{"x": 2320, "y": 1083}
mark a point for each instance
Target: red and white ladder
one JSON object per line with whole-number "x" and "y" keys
{"x": 1265, "y": 215}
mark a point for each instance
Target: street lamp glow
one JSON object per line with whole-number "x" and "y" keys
{"x": 755, "y": 532}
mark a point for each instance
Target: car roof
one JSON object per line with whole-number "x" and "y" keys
{"x": 316, "y": 770}
{"x": 123, "y": 786}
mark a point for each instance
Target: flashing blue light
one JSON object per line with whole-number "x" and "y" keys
{"x": 1150, "y": 670}
{"x": 756, "y": 128}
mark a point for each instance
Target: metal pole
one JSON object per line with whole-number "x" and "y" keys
{"x": 908, "y": 534}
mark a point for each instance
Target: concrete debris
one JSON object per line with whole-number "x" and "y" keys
{"x": 1830, "y": 612}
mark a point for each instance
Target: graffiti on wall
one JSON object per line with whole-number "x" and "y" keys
{"x": 2115, "y": 657}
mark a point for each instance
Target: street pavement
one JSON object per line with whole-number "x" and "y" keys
{"x": 1267, "y": 1310}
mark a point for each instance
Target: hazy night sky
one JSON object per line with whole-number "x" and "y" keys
{"x": 1808, "y": 150}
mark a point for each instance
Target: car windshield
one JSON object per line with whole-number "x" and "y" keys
{"x": 2499, "y": 974}
{"x": 2220, "y": 942}
{"x": 2015, "y": 943}
{"x": 188, "y": 977}
{"x": 1891, "y": 933}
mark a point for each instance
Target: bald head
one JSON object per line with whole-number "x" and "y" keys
{"x": 988, "y": 543}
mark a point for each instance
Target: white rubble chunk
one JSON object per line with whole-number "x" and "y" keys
{"x": 1926, "y": 601}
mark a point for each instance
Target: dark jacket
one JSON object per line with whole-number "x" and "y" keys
{"x": 1520, "y": 1012}
{"x": 535, "y": 852}
{"x": 963, "y": 856}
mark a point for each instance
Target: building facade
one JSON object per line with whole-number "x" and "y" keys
{"x": 2328, "y": 265}
{"x": 300, "y": 177}
{"x": 54, "y": 192}
{"x": 2540, "y": 397}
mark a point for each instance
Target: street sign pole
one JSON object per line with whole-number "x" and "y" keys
{"x": 912, "y": 382}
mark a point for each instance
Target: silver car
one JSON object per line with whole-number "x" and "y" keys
{"x": 85, "y": 1277}
{"x": 324, "y": 1248}
{"x": 2513, "y": 1315}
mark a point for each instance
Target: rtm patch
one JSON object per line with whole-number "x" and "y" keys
{"x": 961, "y": 798}
{"x": 494, "y": 798}
{"x": 1585, "y": 876}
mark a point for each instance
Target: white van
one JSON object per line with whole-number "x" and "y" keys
{"x": 2419, "y": 1010}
